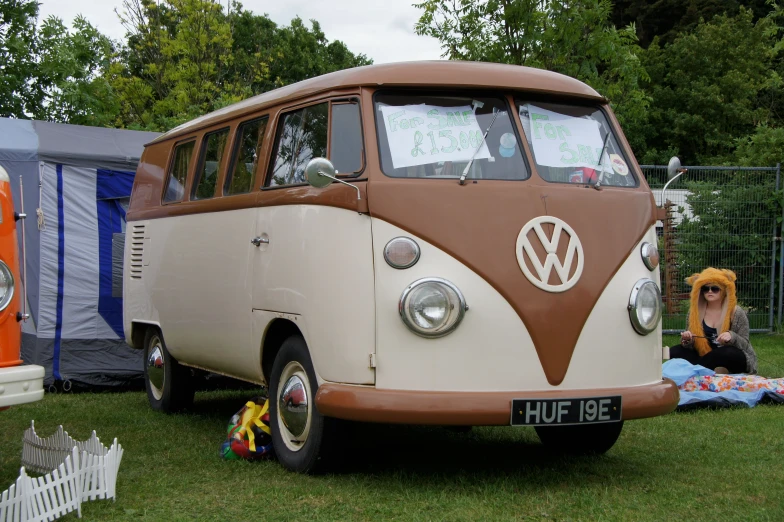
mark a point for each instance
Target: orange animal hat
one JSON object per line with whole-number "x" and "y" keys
{"x": 711, "y": 276}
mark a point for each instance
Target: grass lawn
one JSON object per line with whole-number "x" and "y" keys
{"x": 711, "y": 464}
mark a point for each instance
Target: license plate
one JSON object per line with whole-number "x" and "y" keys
{"x": 553, "y": 412}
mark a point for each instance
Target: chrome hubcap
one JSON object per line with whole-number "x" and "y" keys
{"x": 156, "y": 370}
{"x": 294, "y": 412}
{"x": 293, "y": 406}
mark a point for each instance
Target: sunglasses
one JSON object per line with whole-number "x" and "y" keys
{"x": 714, "y": 289}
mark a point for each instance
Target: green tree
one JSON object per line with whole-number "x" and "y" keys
{"x": 669, "y": 18}
{"x": 70, "y": 74}
{"x": 763, "y": 148}
{"x": 575, "y": 38}
{"x": 51, "y": 72}
{"x": 176, "y": 63}
{"x": 731, "y": 226}
{"x": 267, "y": 56}
{"x": 302, "y": 53}
{"x": 17, "y": 56}
{"x": 253, "y": 45}
{"x": 185, "y": 58}
{"x": 706, "y": 87}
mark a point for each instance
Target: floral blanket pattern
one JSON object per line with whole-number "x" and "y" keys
{"x": 700, "y": 386}
{"x": 743, "y": 383}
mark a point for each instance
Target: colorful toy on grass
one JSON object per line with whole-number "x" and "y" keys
{"x": 248, "y": 432}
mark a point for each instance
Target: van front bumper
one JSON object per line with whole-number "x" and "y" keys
{"x": 368, "y": 404}
{"x": 21, "y": 384}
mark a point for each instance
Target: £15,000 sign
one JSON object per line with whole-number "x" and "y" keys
{"x": 422, "y": 134}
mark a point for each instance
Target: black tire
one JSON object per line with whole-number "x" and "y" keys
{"x": 304, "y": 449}
{"x": 459, "y": 429}
{"x": 169, "y": 384}
{"x": 588, "y": 439}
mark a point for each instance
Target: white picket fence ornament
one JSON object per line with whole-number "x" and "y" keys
{"x": 75, "y": 472}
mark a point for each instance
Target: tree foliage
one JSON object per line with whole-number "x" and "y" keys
{"x": 187, "y": 57}
{"x": 731, "y": 225}
{"x": 176, "y": 62}
{"x": 180, "y": 59}
{"x": 575, "y": 38}
{"x": 706, "y": 88}
{"x": 668, "y": 19}
{"x": 70, "y": 67}
{"x": 50, "y": 72}
{"x": 17, "y": 44}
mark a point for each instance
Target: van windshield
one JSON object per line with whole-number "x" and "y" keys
{"x": 567, "y": 141}
{"x": 438, "y": 136}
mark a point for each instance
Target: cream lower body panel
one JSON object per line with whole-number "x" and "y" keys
{"x": 195, "y": 284}
{"x": 214, "y": 294}
{"x": 21, "y": 384}
{"x": 491, "y": 350}
{"x": 608, "y": 348}
{"x": 318, "y": 267}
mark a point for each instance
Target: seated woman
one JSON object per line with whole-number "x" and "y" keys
{"x": 718, "y": 334}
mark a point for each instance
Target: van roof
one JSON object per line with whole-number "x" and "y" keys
{"x": 478, "y": 75}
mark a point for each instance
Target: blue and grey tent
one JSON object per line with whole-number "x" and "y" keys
{"x": 76, "y": 182}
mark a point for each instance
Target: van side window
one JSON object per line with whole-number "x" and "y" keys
{"x": 302, "y": 136}
{"x": 175, "y": 187}
{"x": 345, "y": 148}
{"x": 210, "y": 165}
{"x": 247, "y": 152}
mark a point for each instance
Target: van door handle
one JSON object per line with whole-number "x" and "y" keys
{"x": 257, "y": 241}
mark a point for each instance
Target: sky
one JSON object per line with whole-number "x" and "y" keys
{"x": 383, "y": 30}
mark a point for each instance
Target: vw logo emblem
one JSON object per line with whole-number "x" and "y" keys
{"x": 540, "y": 276}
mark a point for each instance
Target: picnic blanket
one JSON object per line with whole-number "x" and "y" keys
{"x": 700, "y": 386}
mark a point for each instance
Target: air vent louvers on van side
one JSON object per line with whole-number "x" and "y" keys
{"x": 137, "y": 251}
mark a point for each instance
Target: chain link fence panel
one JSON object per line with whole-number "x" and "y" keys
{"x": 724, "y": 217}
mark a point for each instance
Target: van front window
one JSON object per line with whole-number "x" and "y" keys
{"x": 567, "y": 142}
{"x": 438, "y": 136}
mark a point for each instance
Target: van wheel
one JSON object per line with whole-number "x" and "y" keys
{"x": 589, "y": 439}
{"x": 298, "y": 429}
{"x": 169, "y": 384}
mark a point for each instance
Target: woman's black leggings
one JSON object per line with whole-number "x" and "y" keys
{"x": 730, "y": 357}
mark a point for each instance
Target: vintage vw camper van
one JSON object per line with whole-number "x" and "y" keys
{"x": 19, "y": 384}
{"x": 442, "y": 243}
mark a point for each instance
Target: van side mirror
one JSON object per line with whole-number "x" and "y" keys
{"x": 674, "y": 168}
{"x": 674, "y": 171}
{"x": 319, "y": 172}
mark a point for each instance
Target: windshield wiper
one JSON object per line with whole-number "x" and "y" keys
{"x": 496, "y": 112}
{"x": 599, "y": 164}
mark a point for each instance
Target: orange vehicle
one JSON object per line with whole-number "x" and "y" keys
{"x": 19, "y": 383}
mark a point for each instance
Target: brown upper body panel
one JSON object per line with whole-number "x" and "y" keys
{"x": 478, "y": 224}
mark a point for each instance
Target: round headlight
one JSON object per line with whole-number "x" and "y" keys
{"x": 6, "y": 285}
{"x": 645, "y": 306}
{"x": 432, "y": 307}
{"x": 401, "y": 252}
{"x": 650, "y": 255}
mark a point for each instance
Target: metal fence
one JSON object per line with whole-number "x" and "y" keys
{"x": 724, "y": 217}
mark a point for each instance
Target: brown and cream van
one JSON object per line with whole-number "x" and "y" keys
{"x": 442, "y": 243}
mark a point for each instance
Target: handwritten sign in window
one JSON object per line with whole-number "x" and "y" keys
{"x": 422, "y": 134}
{"x": 564, "y": 141}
